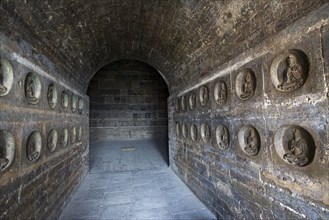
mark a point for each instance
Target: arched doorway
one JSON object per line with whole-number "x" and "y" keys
{"x": 128, "y": 118}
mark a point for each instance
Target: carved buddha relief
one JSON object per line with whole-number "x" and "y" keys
{"x": 294, "y": 145}
{"x": 177, "y": 129}
{"x": 73, "y": 135}
{"x": 6, "y": 77}
{"x": 64, "y": 100}
{"x": 245, "y": 84}
{"x": 33, "y": 146}
{"x": 205, "y": 132}
{"x": 80, "y": 133}
{"x": 220, "y": 92}
{"x": 289, "y": 71}
{"x": 52, "y": 96}
{"x": 64, "y": 137}
{"x": 204, "y": 95}
{"x": 52, "y": 140}
{"x": 74, "y": 100}
{"x": 7, "y": 149}
{"x": 80, "y": 105}
{"x": 32, "y": 88}
{"x": 194, "y": 132}
{"x": 184, "y": 130}
{"x": 222, "y": 137}
{"x": 192, "y": 100}
{"x": 183, "y": 102}
{"x": 249, "y": 140}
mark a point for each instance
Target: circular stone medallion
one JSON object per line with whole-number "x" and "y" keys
{"x": 52, "y": 140}
{"x": 7, "y": 149}
{"x": 32, "y": 88}
{"x": 194, "y": 132}
{"x": 52, "y": 96}
{"x": 64, "y": 100}
{"x": 6, "y": 77}
{"x": 245, "y": 84}
{"x": 222, "y": 137}
{"x": 220, "y": 92}
{"x": 204, "y": 95}
{"x": 205, "y": 132}
{"x": 249, "y": 140}
{"x": 289, "y": 71}
{"x": 294, "y": 145}
{"x": 33, "y": 146}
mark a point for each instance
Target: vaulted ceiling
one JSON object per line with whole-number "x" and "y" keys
{"x": 183, "y": 39}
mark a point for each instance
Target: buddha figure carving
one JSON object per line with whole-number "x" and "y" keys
{"x": 73, "y": 103}
{"x": 222, "y": 137}
{"x": 297, "y": 150}
{"x": 3, "y": 160}
{"x": 73, "y": 135}
{"x": 3, "y": 88}
{"x": 292, "y": 75}
{"x": 32, "y": 152}
{"x": 50, "y": 142}
{"x": 204, "y": 95}
{"x": 30, "y": 89}
{"x": 52, "y": 96}
{"x": 192, "y": 100}
{"x": 220, "y": 93}
{"x": 205, "y": 133}
{"x": 247, "y": 87}
{"x": 64, "y": 137}
{"x": 64, "y": 101}
{"x": 6, "y": 76}
{"x": 252, "y": 144}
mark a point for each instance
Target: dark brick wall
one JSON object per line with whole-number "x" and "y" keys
{"x": 128, "y": 100}
{"x": 38, "y": 189}
{"x": 266, "y": 185}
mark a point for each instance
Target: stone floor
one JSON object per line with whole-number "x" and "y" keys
{"x": 149, "y": 190}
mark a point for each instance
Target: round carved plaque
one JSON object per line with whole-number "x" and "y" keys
{"x": 73, "y": 135}
{"x": 205, "y": 132}
{"x": 245, "y": 84}
{"x": 294, "y": 145}
{"x": 7, "y": 149}
{"x": 194, "y": 132}
{"x": 33, "y": 146}
{"x": 220, "y": 92}
{"x": 192, "y": 100}
{"x": 6, "y": 77}
{"x": 52, "y": 140}
{"x": 32, "y": 88}
{"x": 183, "y": 102}
{"x": 204, "y": 95}
{"x": 64, "y": 100}
{"x": 289, "y": 71}
{"x": 64, "y": 137}
{"x": 177, "y": 129}
{"x": 249, "y": 140}
{"x": 184, "y": 130}
{"x": 52, "y": 96}
{"x": 222, "y": 137}
{"x": 74, "y": 101}
{"x": 80, "y": 105}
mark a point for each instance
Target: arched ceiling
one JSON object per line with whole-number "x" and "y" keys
{"x": 183, "y": 39}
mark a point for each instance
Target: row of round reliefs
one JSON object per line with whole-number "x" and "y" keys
{"x": 33, "y": 89}
{"x": 292, "y": 143}
{"x": 34, "y": 144}
{"x": 289, "y": 71}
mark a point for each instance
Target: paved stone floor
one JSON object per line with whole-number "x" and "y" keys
{"x": 150, "y": 190}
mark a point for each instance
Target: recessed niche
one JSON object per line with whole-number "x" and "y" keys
{"x": 52, "y": 96}
{"x": 52, "y": 140}
{"x": 204, "y": 95}
{"x": 194, "y": 132}
{"x": 32, "y": 88}
{"x": 80, "y": 105}
{"x": 64, "y": 100}
{"x": 74, "y": 101}
{"x": 7, "y": 149}
{"x": 184, "y": 130}
{"x": 6, "y": 77}
{"x": 177, "y": 129}
{"x": 183, "y": 102}
{"x": 177, "y": 107}
{"x": 294, "y": 145}
{"x": 249, "y": 140}
{"x": 245, "y": 84}
{"x": 222, "y": 137}
{"x": 220, "y": 92}
{"x": 289, "y": 71}
{"x": 80, "y": 133}
{"x": 73, "y": 135}
{"x": 33, "y": 146}
{"x": 192, "y": 100}
{"x": 64, "y": 137}
{"x": 205, "y": 132}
